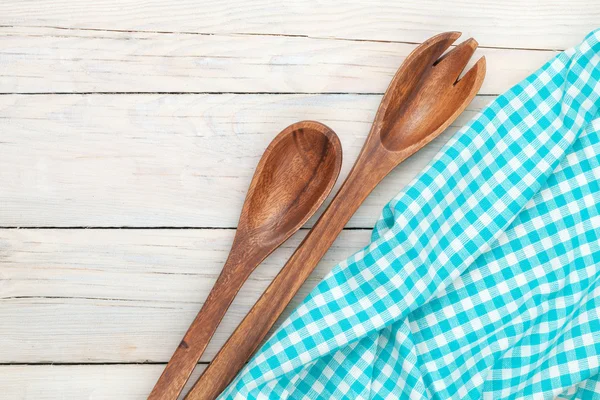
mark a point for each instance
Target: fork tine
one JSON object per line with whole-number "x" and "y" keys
{"x": 455, "y": 61}
{"x": 474, "y": 76}
{"x": 424, "y": 55}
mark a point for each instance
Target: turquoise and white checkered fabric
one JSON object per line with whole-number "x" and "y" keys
{"x": 482, "y": 279}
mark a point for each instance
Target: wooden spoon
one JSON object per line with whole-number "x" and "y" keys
{"x": 424, "y": 97}
{"x": 292, "y": 179}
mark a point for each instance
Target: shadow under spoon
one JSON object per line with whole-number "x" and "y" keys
{"x": 292, "y": 179}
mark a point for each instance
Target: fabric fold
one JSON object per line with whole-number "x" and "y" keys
{"x": 482, "y": 275}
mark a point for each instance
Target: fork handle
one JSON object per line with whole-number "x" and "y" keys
{"x": 252, "y": 330}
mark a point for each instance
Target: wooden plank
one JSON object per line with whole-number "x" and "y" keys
{"x": 511, "y": 23}
{"x": 165, "y": 160}
{"x": 93, "y": 296}
{"x": 76, "y": 382}
{"x": 55, "y": 60}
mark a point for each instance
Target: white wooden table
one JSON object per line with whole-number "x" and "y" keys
{"x": 129, "y": 131}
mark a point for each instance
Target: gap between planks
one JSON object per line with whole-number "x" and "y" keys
{"x": 58, "y": 364}
{"x": 259, "y": 34}
{"x": 350, "y": 228}
{"x": 207, "y": 93}
{"x": 514, "y": 23}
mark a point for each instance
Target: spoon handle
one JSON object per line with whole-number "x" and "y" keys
{"x": 190, "y": 349}
{"x": 250, "y": 333}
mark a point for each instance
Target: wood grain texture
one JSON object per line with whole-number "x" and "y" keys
{"x": 38, "y": 60}
{"x": 550, "y": 24}
{"x": 77, "y": 382}
{"x": 152, "y": 160}
{"x": 165, "y": 160}
{"x": 124, "y": 295}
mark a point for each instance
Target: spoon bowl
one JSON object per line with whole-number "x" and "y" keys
{"x": 293, "y": 178}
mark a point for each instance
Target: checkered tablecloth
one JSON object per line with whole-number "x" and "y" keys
{"x": 482, "y": 278}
